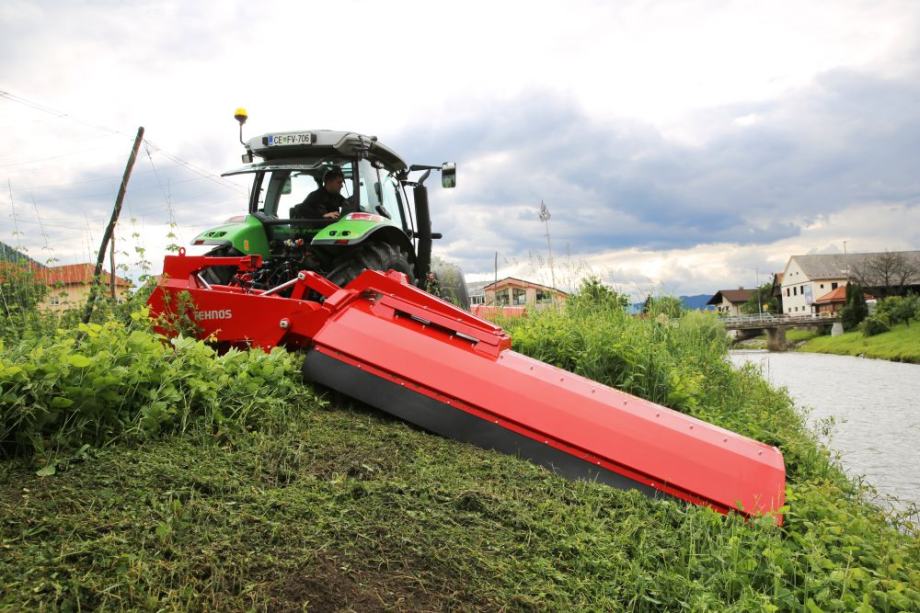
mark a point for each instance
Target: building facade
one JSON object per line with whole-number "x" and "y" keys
{"x": 728, "y": 301}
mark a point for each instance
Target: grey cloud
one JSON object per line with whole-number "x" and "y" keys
{"x": 848, "y": 138}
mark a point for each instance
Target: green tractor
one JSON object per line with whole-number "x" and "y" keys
{"x": 379, "y": 228}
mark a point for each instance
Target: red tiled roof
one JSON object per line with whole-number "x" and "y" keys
{"x": 838, "y": 295}
{"x": 76, "y": 274}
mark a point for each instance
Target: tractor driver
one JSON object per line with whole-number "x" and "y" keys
{"x": 325, "y": 202}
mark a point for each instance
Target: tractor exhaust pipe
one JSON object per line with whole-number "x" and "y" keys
{"x": 423, "y": 232}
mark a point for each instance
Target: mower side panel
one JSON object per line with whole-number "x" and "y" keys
{"x": 498, "y": 401}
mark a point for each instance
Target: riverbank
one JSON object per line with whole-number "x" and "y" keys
{"x": 151, "y": 476}
{"x": 900, "y": 344}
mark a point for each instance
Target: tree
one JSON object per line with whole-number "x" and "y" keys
{"x": 886, "y": 274}
{"x": 855, "y": 310}
{"x": 761, "y": 300}
{"x": 670, "y": 306}
{"x": 593, "y": 294}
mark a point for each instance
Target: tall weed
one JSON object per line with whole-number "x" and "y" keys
{"x": 98, "y": 383}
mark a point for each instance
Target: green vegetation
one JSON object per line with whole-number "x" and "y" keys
{"x": 762, "y": 300}
{"x": 886, "y": 334}
{"x": 900, "y": 344}
{"x": 798, "y": 335}
{"x": 142, "y": 475}
{"x": 892, "y": 311}
{"x": 855, "y": 310}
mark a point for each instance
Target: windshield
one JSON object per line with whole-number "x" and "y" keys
{"x": 368, "y": 188}
{"x": 281, "y": 190}
{"x": 379, "y": 192}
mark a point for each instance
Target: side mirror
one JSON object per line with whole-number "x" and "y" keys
{"x": 448, "y": 175}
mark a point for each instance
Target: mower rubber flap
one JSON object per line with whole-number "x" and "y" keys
{"x": 395, "y": 347}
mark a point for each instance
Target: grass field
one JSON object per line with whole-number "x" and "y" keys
{"x": 144, "y": 476}
{"x": 900, "y": 344}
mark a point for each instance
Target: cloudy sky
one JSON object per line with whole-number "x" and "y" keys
{"x": 681, "y": 147}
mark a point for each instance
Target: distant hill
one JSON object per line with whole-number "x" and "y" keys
{"x": 697, "y": 301}
{"x": 9, "y": 254}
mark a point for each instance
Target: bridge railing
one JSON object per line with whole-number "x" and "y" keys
{"x": 753, "y": 319}
{"x": 769, "y": 319}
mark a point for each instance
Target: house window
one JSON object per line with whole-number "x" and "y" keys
{"x": 834, "y": 285}
{"x": 477, "y": 299}
{"x": 795, "y": 291}
{"x": 520, "y": 296}
{"x": 501, "y": 299}
{"x": 543, "y": 296}
{"x": 787, "y": 292}
{"x": 822, "y": 286}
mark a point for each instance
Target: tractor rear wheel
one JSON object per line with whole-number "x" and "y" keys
{"x": 375, "y": 256}
{"x": 220, "y": 275}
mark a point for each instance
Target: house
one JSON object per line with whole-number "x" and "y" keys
{"x": 518, "y": 292}
{"x": 830, "y": 303}
{"x": 809, "y": 277}
{"x": 729, "y": 301}
{"x": 69, "y": 285}
{"x": 476, "y": 292}
{"x": 511, "y": 297}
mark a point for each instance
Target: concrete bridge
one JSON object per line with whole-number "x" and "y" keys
{"x": 775, "y": 325}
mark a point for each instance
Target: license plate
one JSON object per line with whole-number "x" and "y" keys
{"x": 291, "y": 138}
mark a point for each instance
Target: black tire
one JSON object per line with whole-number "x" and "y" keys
{"x": 220, "y": 275}
{"x": 452, "y": 284}
{"x": 375, "y": 256}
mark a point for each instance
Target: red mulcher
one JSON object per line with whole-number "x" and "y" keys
{"x": 395, "y": 347}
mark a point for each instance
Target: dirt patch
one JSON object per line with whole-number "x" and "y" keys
{"x": 327, "y": 585}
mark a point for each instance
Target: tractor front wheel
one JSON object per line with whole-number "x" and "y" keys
{"x": 375, "y": 256}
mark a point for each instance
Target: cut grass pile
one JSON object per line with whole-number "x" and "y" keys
{"x": 900, "y": 344}
{"x": 323, "y": 503}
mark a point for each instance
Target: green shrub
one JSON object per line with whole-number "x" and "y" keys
{"x": 98, "y": 383}
{"x": 875, "y": 324}
{"x": 898, "y": 309}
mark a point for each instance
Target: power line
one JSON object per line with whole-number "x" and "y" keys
{"x": 47, "y": 109}
{"x": 212, "y": 176}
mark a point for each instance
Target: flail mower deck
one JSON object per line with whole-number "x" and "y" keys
{"x": 395, "y": 347}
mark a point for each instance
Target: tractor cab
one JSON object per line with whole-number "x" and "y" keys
{"x": 378, "y": 215}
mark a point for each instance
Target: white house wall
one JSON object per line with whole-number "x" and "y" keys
{"x": 800, "y": 292}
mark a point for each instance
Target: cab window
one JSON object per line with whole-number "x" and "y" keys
{"x": 390, "y": 200}
{"x": 282, "y": 190}
{"x": 368, "y": 187}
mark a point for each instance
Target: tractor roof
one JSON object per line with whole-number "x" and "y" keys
{"x": 318, "y": 143}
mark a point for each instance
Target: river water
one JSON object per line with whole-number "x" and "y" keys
{"x": 875, "y": 405}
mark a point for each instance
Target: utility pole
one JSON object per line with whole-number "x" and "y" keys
{"x": 544, "y": 217}
{"x": 757, "y": 285}
{"x": 495, "y": 283}
{"x": 116, "y": 211}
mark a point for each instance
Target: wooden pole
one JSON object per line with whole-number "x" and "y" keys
{"x": 116, "y": 211}
{"x": 112, "y": 263}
